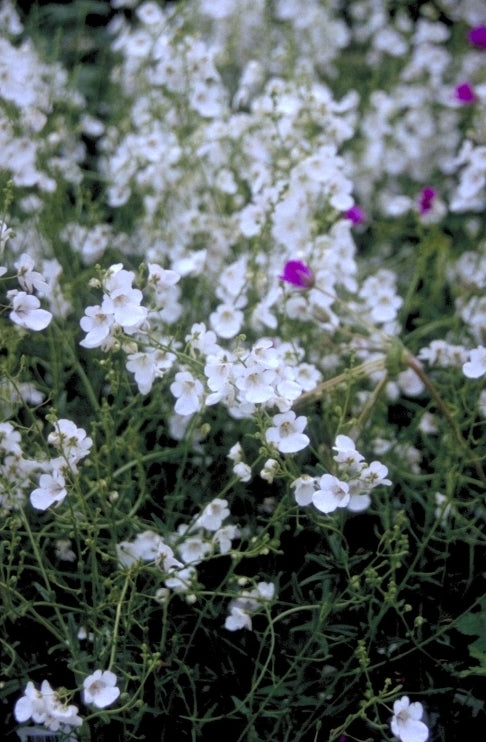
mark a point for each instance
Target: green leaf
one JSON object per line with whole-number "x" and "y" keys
{"x": 474, "y": 624}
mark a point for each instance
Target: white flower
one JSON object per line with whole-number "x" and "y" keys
{"x": 61, "y": 716}
{"x": 28, "y": 278}
{"x": 118, "y": 279}
{"x": 189, "y": 392}
{"x": 226, "y": 321}
{"x": 159, "y": 277}
{"x": 26, "y": 311}
{"x": 358, "y": 503}
{"x": 286, "y": 433}
{"x": 373, "y": 475}
{"x": 410, "y": 383}
{"x": 10, "y": 439}
{"x": 256, "y": 383}
{"x": 70, "y": 440}
{"x": 443, "y": 354}
{"x": 428, "y": 423}
{"x": 304, "y": 488}
{"x": 83, "y": 634}
{"x": 52, "y": 488}
{"x": 193, "y": 549}
{"x": 124, "y": 306}
{"x": 378, "y": 291}
{"x": 224, "y": 536}
{"x": 44, "y": 707}
{"x": 248, "y": 602}
{"x": 347, "y": 455}
{"x": 384, "y": 305}
{"x": 219, "y": 370}
{"x": 242, "y": 471}
{"x": 235, "y": 453}
{"x": 183, "y": 581}
{"x": 97, "y": 325}
{"x": 202, "y": 339}
{"x": 406, "y": 724}
{"x": 476, "y": 366}
{"x": 252, "y": 218}
{"x": 147, "y": 547}
{"x": 265, "y": 590}
{"x": 64, "y": 551}
{"x": 31, "y": 705}
{"x": 269, "y": 470}
{"x": 149, "y": 365}
{"x": 332, "y": 494}
{"x": 213, "y": 515}
{"x": 100, "y": 688}
{"x": 143, "y": 367}
{"x": 237, "y": 619}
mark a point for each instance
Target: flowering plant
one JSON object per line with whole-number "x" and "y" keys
{"x": 243, "y": 340}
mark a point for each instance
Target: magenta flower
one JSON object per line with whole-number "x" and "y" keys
{"x": 356, "y": 214}
{"x": 477, "y": 36}
{"x": 426, "y": 199}
{"x": 464, "y": 93}
{"x": 298, "y": 274}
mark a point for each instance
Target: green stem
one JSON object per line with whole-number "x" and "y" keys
{"x": 415, "y": 365}
{"x": 65, "y": 633}
{"x": 79, "y": 370}
{"x": 364, "y": 369}
{"x": 116, "y": 626}
{"x": 368, "y": 407}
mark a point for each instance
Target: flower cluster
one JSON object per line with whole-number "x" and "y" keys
{"x": 73, "y": 445}
{"x": 26, "y": 307}
{"x": 350, "y": 490}
{"x": 248, "y": 602}
{"x": 193, "y": 543}
{"x": 45, "y": 707}
{"x": 257, "y": 253}
{"x": 120, "y": 309}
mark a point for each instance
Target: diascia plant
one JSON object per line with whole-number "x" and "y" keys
{"x": 242, "y": 447}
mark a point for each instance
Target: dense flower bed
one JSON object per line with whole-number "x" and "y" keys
{"x": 243, "y": 357}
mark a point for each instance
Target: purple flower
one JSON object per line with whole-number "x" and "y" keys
{"x": 464, "y": 93}
{"x": 298, "y": 274}
{"x": 477, "y": 36}
{"x": 426, "y": 199}
{"x": 356, "y": 214}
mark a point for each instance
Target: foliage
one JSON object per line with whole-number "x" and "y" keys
{"x": 242, "y": 439}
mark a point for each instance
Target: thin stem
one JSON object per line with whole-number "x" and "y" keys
{"x": 364, "y": 369}
{"x": 117, "y": 623}
{"x": 80, "y": 371}
{"x": 416, "y": 366}
{"x": 50, "y": 591}
{"x": 368, "y": 407}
